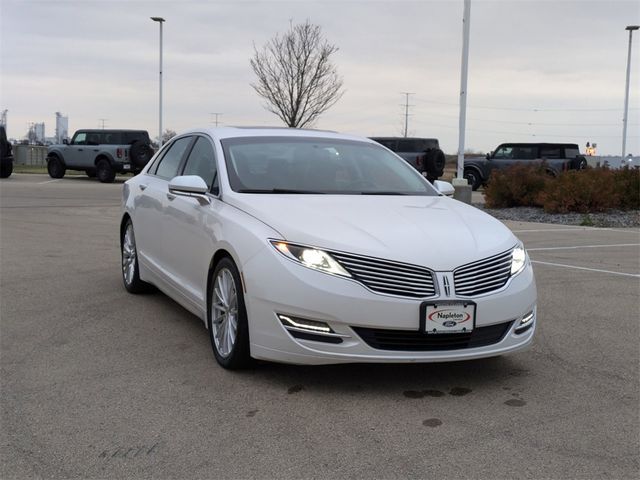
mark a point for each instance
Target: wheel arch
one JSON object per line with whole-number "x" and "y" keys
{"x": 55, "y": 154}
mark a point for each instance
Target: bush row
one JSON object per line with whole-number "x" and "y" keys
{"x": 584, "y": 191}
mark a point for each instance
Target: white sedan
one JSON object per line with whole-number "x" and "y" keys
{"x": 312, "y": 247}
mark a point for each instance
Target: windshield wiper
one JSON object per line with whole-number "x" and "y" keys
{"x": 278, "y": 190}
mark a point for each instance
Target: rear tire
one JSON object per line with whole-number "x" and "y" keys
{"x": 473, "y": 178}
{"x": 227, "y": 317}
{"x": 55, "y": 167}
{"x": 104, "y": 172}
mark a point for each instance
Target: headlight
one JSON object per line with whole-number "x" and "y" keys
{"x": 311, "y": 257}
{"x": 518, "y": 259}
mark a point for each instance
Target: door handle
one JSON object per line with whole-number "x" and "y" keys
{"x": 80, "y": 150}
{"x": 170, "y": 196}
{"x": 142, "y": 186}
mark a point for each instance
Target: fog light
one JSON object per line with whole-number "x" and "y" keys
{"x": 525, "y": 323}
{"x": 304, "y": 324}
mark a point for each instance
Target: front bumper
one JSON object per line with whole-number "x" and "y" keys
{"x": 276, "y": 285}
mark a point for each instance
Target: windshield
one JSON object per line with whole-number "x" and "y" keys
{"x": 318, "y": 166}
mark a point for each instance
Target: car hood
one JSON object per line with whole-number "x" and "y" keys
{"x": 436, "y": 232}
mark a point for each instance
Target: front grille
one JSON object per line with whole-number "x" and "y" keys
{"x": 385, "y": 276}
{"x": 483, "y": 276}
{"x": 415, "y": 341}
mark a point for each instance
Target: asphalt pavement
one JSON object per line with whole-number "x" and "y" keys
{"x": 98, "y": 383}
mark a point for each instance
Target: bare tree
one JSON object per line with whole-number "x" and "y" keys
{"x": 296, "y": 76}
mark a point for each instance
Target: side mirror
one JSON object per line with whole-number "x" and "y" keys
{"x": 65, "y": 141}
{"x": 444, "y": 188}
{"x": 488, "y": 156}
{"x": 188, "y": 185}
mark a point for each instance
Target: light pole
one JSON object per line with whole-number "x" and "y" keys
{"x": 160, "y": 20}
{"x": 631, "y": 28}
{"x": 466, "y": 19}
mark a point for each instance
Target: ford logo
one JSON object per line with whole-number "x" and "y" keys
{"x": 449, "y": 323}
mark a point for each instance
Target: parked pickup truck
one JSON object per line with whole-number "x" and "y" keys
{"x": 556, "y": 157}
{"x": 423, "y": 154}
{"x": 101, "y": 153}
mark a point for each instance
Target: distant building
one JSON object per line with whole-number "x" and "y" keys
{"x": 38, "y": 130}
{"x": 62, "y": 127}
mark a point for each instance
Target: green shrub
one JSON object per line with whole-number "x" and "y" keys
{"x": 517, "y": 186}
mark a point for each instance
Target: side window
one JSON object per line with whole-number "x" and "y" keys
{"x": 80, "y": 139}
{"x": 550, "y": 153}
{"x": 408, "y": 146}
{"x": 93, "y": 138}
{"x": 202, "y": 161}
{"x": 524, "y": 153}
{"x": 169, "y": 163}
{"x": 503, "y": 152}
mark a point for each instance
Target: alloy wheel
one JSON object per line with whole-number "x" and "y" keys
{"x": 224, "y": 313}
{"x": 129, "y": 257}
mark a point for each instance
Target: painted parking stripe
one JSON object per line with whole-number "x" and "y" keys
{"x": 50, "y": 181}
{"x": 576, "y": 247}
{"x": 587, "y": 269}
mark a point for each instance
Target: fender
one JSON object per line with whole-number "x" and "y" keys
{"x": 57, "y": 152}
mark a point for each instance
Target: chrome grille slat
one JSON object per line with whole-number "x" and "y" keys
{"x": 383, "y": 272}
{"x": 488, "y": 269}
{"x": 388, "y": 277}
{"x": 472, "y": 279}
{"x": 483, "y": 276}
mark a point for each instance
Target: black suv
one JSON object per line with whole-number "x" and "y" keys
{"x": 556, "y": 157}
{"x": 423, "y": 154}
{"x": 6, "y": 154}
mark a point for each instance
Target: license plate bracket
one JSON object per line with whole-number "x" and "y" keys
{"x": 447, "y": 317}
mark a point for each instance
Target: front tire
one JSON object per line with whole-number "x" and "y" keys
{"x": 227, "y": 317}
{"x": 130, "y": 268}
{"x": 104, "y": 172}
{"x": 55, "y": 167}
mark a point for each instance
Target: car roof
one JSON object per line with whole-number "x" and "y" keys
{"x": 403, "y": 138}
{"x": 222, "y": 133}
{"x": 109, "y": 130}
{"x": 541, "y": 144}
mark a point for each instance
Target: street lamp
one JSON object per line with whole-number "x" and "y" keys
{"x": 160, "y": 20}
{"x": 631, "y": 28}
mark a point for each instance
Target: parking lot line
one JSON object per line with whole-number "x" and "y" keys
{"x": 634, "y": 275}
{"x": 578, "y": 229}
{"x": 50, "y": 181}
{"x": 576, "y": 247}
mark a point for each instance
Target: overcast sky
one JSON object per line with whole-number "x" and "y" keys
{"x": 538, "y": 71}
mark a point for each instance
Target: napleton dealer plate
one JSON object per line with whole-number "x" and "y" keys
{"x": 447, "y": 317}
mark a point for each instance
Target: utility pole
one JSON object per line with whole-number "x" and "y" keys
{"x": 160, "y": 21}
{"x": 406, "y": 111}
{"x": 102, "y": 120}
{"x": 216, "y": 120}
